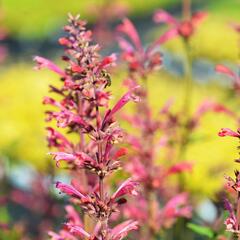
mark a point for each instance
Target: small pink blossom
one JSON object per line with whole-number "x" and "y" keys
{"x": 129, "y": 96}
{"x": 228, "y": 132}
{"x": 184, "y": 28}
{"x": 62, "y": 156}
{"x": 176, "y": 207}
{"x": 225, "y": 70}
{"x": 121, "y": 230}
{"x": 180, "y": 167}
{"x": 56, "y": 139}
{"x": 71, "y": 191}
{"x": 78, "y": 230}
{"x": 45, "y": 63}
{"x": 127, "y": 187}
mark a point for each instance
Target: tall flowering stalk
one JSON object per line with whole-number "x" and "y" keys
{"x": 159, "y": 206}
{"x": 233, "y": 220}
{"x": 82, "y": 109}
{"x": 185, "y": 29}
{"x": 162, "y": 214}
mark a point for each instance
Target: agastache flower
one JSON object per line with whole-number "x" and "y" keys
{"x": 185, "y": 28}
{"x": 82, "y": 110}
{"x": 228, "y": 132}
{"x": 127, "y": 187}
{"x": 231, "y": 221}
{"x": 45, "y": 63}
{"x": 70, "y": 190}
{"x": 139, "y": 61}
{"x": 229, "y": 73}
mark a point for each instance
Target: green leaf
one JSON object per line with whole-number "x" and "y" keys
{"x": 201, "y": 230}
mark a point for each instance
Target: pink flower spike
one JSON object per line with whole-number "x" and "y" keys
{"x": 121, "y": 230}
{"x": 228, "y": 132}
{"x": 45, "y": 63}
{"x": 161, "y": 16}
{"x": 127, "y": 187}
{"x": 128, "y": 28}
{"x": 70, "y": 190}
{"x": 225, "y": 70}
{"x": 62, "y": 156}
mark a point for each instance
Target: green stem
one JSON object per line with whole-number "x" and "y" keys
{"x": 186, "y": 9}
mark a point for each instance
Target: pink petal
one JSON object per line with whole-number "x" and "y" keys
{"x": 62, "y": 156}
{"x": 121, "y": 230}
{"x": 73, "y": 216}
{"x": 108, "y": 61}
{"x": 45, "y": 63}
{"x": 79, "y": 230}
{"x": 57, "y": 139}
{"x": 70, "y": 190}
{"x": 228, "y": 132}
{"x": 180, "y": 167}
{"x": 125, "y": 45}
{"x": 198, "y": 17}
{"x": 170, "y": 34}
{"x": 128, "y": 28}
{"x": 122, "y": 101}
{"x": 127, "y": 187}
{"x": 225, "y": 70}
{"x": 161, "y": 16}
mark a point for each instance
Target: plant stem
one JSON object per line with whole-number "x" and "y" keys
{"x": 186, "y": 9}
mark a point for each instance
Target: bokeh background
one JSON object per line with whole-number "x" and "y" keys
{"x": 33, "y": 27}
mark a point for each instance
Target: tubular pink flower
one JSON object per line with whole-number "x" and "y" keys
{"x": 180, "y": 167}
{"x": 178, "y": 206}
{"x": 45, "y": 63}
{"x": 71, "y": 191}
{"x": 129, "y": 96}
{"x": 228, "y": 132}
{"x": 56, "y": 139}
{"x": 72, "y": 215}
{"x": 161, "y": 16}
{"x": 225, "y": 70}
{"x": 183, "y": 28}
{"x": 128, "y": 28}
{"x": 125, "y": 45}
{"x": 127, "y": 187}
{"x": 108, "y": 61}
{"x": 62, "y": 156}
{"x": 78, "y": 230}
{"x": 121, "y": 230}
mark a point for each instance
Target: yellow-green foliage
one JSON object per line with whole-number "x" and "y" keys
{"x": 22, "y": 122}
{"x": 38, "y": 18}
{"x": 21, "y": 115}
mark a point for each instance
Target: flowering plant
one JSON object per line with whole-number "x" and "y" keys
{"x": 82, "y": 109}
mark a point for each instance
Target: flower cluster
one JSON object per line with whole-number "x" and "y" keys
{"x": 153, "y": 177}
{"x": 233, "y": 220}
{"x": 174, "y": 129}
{"x": 82, "y": 108}
{"x": 185, "y": 28}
